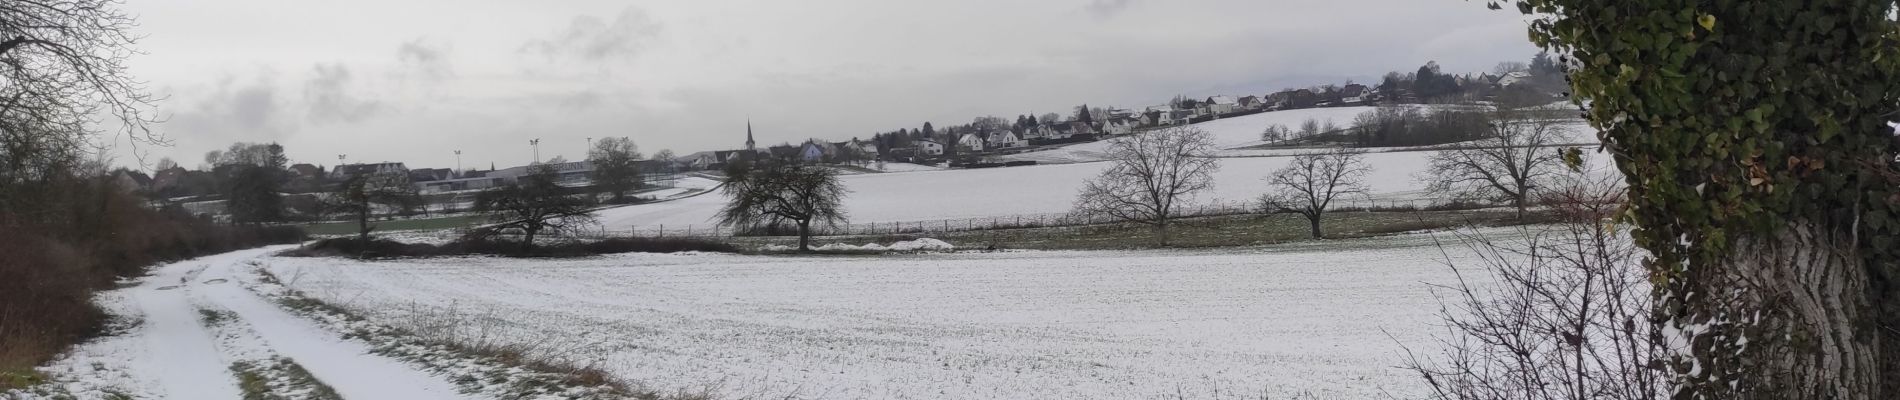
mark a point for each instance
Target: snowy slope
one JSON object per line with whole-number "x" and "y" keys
{"x": 1309, "y": 318}
{"x": 1010, "y": 192}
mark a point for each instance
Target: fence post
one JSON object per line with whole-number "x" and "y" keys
{"x": 633, "y": 230}
{"x": 662, "y": 232}
{"x": 689, "y": 230}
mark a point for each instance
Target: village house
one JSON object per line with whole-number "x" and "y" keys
{"x": 1512, "y": 78}
{"x": 1218, "y": 105}
{"x": 929, "y": 148}
{"x": 1005, "y": 140}
{"x": 346, "y": 171}
{"x": 1160, "y": 115}
{"x": 1119, "y": 126}
{"x": 815, "y": 151}
{"x": 970, "y": 142}
{"x": 1355, "y": 94}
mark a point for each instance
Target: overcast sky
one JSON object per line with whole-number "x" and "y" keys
{"x": 411, "y": 81}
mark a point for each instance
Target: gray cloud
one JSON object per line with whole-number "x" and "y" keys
{"x": 230, "y": 109}
{"x": 590, "y": 38}
{"x": 1107, "y": 8}
{"x": 424, "y": 58}
{"x": 330, "y": 100}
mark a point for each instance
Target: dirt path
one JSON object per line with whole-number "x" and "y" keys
{"x": 189, "y": 363}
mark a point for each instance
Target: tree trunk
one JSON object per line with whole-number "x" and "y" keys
{"x": 527, "y": 239}
{"x": 804, "y": 235}
{"x": 1787, "y": 317}
{"x": 362, "y": 225}
{"x": 1161, "y": 229}
{"x": 1313, "y": 220}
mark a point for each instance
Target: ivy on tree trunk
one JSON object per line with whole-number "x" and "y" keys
{"x": 1754, "y": 139}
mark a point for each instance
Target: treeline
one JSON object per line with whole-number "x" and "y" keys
{"x": 1515, "y": 83}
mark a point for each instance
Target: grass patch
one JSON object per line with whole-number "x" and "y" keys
{"x": 1216, "y": 231}
{"x": 214, "y": 318}
{"x": 384, "y": 248}
{"x": 428, "y": 224}
{"x": 252, "y": 385}
{"x": 280, "y": 379}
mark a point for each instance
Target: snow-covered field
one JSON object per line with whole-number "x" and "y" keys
{"x": 930, "y": 194}
{"x": 1008, "y": 192}
{"x": 1298, "y": 320}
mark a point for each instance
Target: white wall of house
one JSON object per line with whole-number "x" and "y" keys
{"x": 972, "y": 142}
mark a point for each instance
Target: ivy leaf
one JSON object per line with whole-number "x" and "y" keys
{"x": 1707, "y": 21}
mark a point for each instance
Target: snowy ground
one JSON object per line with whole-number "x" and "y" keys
{"x": 174, "y": 353}
{"x": 932, "y": 194}
{"x": 1032, "y": 190}
{"x": 1298, "y": 320}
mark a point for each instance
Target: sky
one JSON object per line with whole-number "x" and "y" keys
{"x": 416, "y": 80}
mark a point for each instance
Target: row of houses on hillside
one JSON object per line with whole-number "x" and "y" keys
{"x": 812, "y": 151}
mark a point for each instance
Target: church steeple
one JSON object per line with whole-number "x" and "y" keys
{"x": 749, "y": 144}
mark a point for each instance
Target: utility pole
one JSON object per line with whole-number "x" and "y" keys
{"x": 458, "y": 161}
{"x": 536, "y": 142}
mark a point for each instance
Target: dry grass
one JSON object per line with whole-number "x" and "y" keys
{"x": 1216, "y": 231}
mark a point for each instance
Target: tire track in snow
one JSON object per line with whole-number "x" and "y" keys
{"x": 192, "y": 366}
{"x": 188, "y": 362}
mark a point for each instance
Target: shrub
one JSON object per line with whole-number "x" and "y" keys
{"x": 83, "y": 238}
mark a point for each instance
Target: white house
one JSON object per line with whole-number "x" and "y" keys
{"x": 971, "y": 142}
{"x": 1220, "y": 105}
{"x": 929, "y": 148}
{"x": 1005, "y": 139}
{"x": 813, "y": 152}
{"x": 1355, "y": 94}
{"x": 1512, "y": 78}
{"x": 867, "y": 146}
{"x": 1164, "y": 114}
{"x": 1119, "y": 126}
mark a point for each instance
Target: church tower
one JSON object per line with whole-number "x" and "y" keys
{"x": 749, "y": 144}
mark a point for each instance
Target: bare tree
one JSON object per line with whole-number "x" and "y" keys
{"x": 1151, "y": 175}
{"x": 1275, "y": 133}
{"x": 359, "y": 196}
{"x": 1564, "y": 314}
{"x": 1519, "y": 151}
{"x": 63, "y": 65}
{"x": 616, "y": 162}
{"x": 1511, "y": 66}
{"x": 1312, "y": 182}
{"x": 1309, "y": 128}
{"x": 535, "y": 203}
{"x": 783, "y": 191}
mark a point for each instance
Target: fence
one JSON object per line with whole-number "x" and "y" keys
{"x": 1044, "y": 220}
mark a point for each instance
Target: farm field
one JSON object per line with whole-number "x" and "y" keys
{"x": 1310, "y": 319}
{"x": 915, "y": 193}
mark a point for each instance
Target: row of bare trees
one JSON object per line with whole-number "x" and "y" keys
{"x": 1153, "y": 175}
